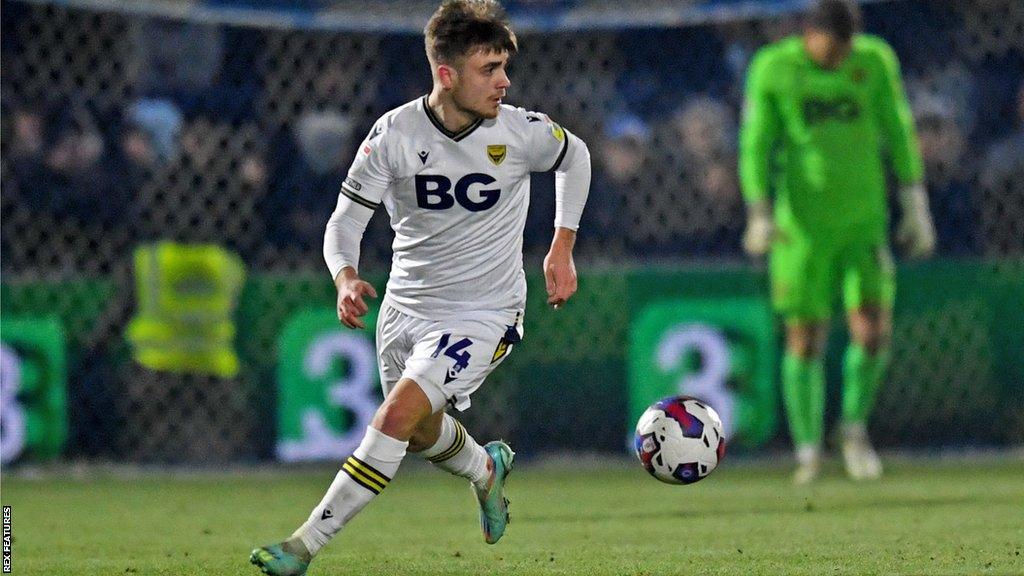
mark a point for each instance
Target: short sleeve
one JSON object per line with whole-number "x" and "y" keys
{"x": 546, "y": 142}
{"x": 370, "y": 174}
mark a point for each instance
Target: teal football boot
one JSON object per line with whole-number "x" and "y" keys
{"x": 493, "y": 503}
{"x": 276, "y": 561}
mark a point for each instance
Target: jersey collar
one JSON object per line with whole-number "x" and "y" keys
{"x": 456, "y": 136}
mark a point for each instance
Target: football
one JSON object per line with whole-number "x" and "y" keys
{"x": 679, "y": 440}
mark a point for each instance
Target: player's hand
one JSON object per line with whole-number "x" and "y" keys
{"x": 559, "y": 268}
{"x": 351, "y": 289}
{"x": 915, "y": 233}
{"x": 760, "y": 232}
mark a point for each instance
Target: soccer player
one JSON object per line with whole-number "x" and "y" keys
{"x": 452, "y": 169}
{"x": 822, "y": 111}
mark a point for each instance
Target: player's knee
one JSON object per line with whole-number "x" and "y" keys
{"x": 427, "y": 433}
{"x": 397, "y": 419}
{"x": 805, "y": 342}
{"x": 874, "y": 339}
{"x": 420, "y": 441}
{"x": 803, "y": 349}
{"x": 871, "y": 331}
{"x": 417, "y": 444}
{"x": 404, "y": 409}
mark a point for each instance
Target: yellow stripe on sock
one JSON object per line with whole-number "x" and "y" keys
{"x": 362, "y": 479}
{"x": 368, "y": 471}
{"x": 455, "y": 448}
{"x": 359, "y": 479}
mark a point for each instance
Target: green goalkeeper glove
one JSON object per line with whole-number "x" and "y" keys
{"x": 915, "y": 233}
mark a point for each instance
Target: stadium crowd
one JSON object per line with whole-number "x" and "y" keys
{"x": 202, "y": 145}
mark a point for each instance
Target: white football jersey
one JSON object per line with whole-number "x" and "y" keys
{"x": 457, "y": 203}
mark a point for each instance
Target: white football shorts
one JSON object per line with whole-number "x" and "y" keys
{"x": 449, "y": 359}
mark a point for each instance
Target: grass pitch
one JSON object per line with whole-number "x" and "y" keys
{"x": 923, "y": 518}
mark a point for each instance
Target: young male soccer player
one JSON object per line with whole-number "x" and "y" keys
{"x": 820, "y": 111}
{"x": 453, "y": 171}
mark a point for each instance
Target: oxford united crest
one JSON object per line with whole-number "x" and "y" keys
{"x": 496, "y": 152}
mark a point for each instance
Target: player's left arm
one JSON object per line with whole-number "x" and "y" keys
{"x": 555, "y": 149}
{"x": 915, "y": 231}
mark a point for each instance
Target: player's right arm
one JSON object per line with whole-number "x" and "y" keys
{"x": 361, "y": 193}
{"x": 758, "y": 134}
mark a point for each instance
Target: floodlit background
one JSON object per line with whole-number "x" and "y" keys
{"x": 170, "y": 351}
{"x": 168, "y": 168}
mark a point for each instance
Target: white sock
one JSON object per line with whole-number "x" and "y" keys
{"x": 855, "y": 431}
{"x": 457, "y": 452}
{"x": 808, "y": 453}
{"x": 363, "y": 475}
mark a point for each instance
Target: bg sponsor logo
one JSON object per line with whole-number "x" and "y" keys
{"x": 432, "y": 192}
{"x": 843, "y": 109}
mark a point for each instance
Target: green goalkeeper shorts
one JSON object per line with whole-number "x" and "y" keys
{"x": 807, "y": 274}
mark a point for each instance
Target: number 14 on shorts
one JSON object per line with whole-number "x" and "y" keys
{"x": 455, "y": 352}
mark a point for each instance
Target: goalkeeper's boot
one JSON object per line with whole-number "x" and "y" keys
{"x": 289, "y": 558}
{"x": 861, "y": 461}
{"x": 493, "y": 503}
{"x": 808, "y": 464}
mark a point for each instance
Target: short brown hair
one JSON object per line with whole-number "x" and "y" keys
{"x": 840, "y": 18}
{"x": 460, "y": 26}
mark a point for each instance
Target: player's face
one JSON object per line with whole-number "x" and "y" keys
{"x": 480, "y": 83}
{"x": 827, "y": 50}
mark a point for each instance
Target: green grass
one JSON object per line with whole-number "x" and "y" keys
{"x": 924, "y": 517}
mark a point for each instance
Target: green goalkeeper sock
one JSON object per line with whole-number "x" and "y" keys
{"x": 862, "y": 376}
{"x": 803, "y": 390}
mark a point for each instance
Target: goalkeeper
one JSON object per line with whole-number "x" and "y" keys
{"x": 821, "y": 111}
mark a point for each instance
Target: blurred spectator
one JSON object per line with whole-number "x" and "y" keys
{"x": 161, "y": 120}
{"x": 29, "y": 132}
{"x": 27, "y": 148}
{"x": 706, "y": 130}
{"x": 951, "y": 84}
{"x": 201, "y": 69}
{"x": 253, "y": 175}
{"x": 740, "y": 39}
{"x": 947, "y": 174}
{"x": 1002, "y": 180}
{"x": 81, "y": 182}
{"x": 620, "y": 157}
{"x": 177, "y": 57}
{"x": 137, "y": 149}
{"x": 306, "y": 189}
{"x": 253, "y": 171}
{"x": 134, "y": 162}
{"x": 623, "y": 147}
{"x": 60, "y": 167}
{"x": 323, "y": 140}
{"x": 208, "y": 192}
